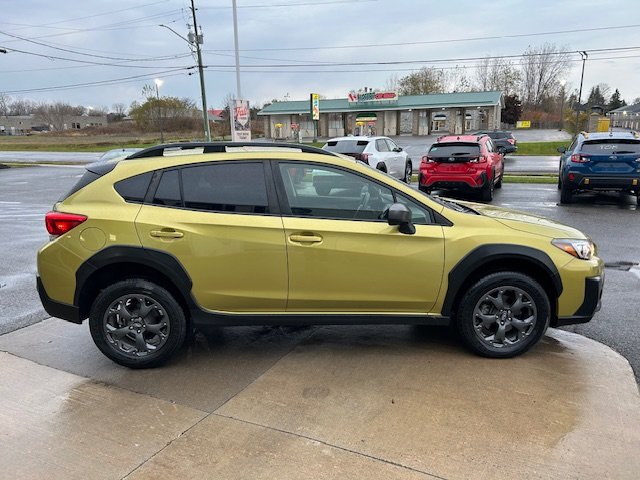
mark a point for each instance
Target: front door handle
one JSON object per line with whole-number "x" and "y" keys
{"x": 166, "y": 233}
{"x": 299, "y": 238}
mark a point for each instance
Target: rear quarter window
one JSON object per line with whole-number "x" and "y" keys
{"x": 134, "y": 189}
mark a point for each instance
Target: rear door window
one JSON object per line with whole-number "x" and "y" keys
{"x": 346, "y": 146}
{"x": 226, "y": 187}
{"x": 168, "y": 192}
{"x": 610, "y": 147}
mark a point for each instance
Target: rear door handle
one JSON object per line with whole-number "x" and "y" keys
{"x": 166, "y": 233}
{"x": 298, "y": 238}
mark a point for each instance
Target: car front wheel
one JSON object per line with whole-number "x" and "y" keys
{"x": 137, "y": 323}
{"x": 503, "y": 315}
{"x": 566, "y": 195}
{"x": 408, "y": 171}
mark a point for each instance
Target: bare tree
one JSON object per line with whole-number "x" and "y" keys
{"x": 20, "y": 106}
{"x": 119, "y": 109}
{"x": 542, "y": 69}
{"x": 497, "y": 74}
{"x": 422, "y": 82}
{"x": 392, "y": 83}
{"x": 457, "y": 80}
{"x": 57, "y": 114}
{"x": 5, "y": 101}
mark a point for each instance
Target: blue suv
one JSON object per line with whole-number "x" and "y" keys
{"x": 599, "y": 162}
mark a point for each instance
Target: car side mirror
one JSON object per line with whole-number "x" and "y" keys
{"x": 562, "y": 149}
{"x": 501, "y": 149}
{"x": 397, "y": 149}
{"x": 399, "y": 214}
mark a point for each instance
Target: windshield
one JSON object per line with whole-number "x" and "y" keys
{"x": 454, "y": 150}
{"x": 610, "y": 146}
{"x": 346, "y": 146}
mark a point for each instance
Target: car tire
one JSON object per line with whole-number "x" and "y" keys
{"x": 559, "y": 182}
{"x": 137, "y": 323}
{"x": 566, "y": 195}
{"x": 499, "y": 182}
{"x": 408, "y": 171}
{"x": 382, "y": 167}
{"x": 486, "y": 194}
{"x": 493, "y": 324}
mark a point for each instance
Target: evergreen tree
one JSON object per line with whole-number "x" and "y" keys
{"x": 615, "y": 101}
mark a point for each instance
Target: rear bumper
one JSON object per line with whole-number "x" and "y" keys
{"x": 64, "y": 311}
{"x": 465, "y": 181}
{"x": 581, "y": 181}
{"x": 591, "y": 304}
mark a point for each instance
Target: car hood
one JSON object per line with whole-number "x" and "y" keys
{"x": 526, "y": 222}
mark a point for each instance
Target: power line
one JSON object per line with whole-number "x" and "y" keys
{"x": 75, "y": 52}
{"x": 299, "y": 4}
{"x": 441, "y": 60}
{"x": 114, "y": 81}
{"x": 430, "y": 42}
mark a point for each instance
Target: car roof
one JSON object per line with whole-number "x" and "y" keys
{"x": 460, "y": 138}
{"x": 613, "y": 135}
{"x": 358, "y": 137}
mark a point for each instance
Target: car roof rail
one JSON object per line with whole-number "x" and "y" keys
{"x": 187, "y": 148}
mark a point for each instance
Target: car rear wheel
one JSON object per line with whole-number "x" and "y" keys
{"x": 566, "y": 195}
{"x": 499, "y": 182}
{"x": 408, "y": 171}
{"x": 503, "y": 315}
{"x": 137, "y": 323}
{"x": 487, "y": 191}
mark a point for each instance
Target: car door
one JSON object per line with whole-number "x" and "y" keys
{"x": 221, "y": 223}
{"x": 343, "y": 255}
{"x": 385, "y": 155}
{"x": 496, "y": 158}
{"x": 397, "y": 158}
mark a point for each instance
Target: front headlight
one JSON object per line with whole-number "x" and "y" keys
{"x": 584, "y": 249}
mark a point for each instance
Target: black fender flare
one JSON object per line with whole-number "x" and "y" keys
{"x": 162, "y": 261}
{"x": 485, "y": 254}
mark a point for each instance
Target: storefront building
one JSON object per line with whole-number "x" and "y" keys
{"x": 386, "y": 113}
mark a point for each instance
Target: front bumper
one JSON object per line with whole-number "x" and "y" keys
{"x": 64, "y": 311}
{"x": 593, "y": 287}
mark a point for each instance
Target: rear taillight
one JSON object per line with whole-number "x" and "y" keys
{"x": 512, "y": 141}
{"x": 426, "y": 159}
{"x": 364, "y": 157}
{"x": 577, "y": 158}
{"x": 481, "y": 158}
{"x": 59, "y": 223}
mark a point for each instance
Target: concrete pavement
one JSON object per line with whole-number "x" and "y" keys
{"x": 329, "y": 402}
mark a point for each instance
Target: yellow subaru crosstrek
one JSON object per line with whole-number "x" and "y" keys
{"x": 186, "y": 235}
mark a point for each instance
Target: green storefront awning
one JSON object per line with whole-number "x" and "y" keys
{"x": 366, "y": 117}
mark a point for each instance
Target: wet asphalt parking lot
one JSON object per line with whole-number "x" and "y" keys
{"x": 613, "y": 221}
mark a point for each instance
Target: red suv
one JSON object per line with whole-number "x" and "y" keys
{"x": 463, "y": 162}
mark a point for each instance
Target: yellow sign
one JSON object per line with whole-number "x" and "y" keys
{"x": 523, "y": 124}
{"x": 603, "y": 124}
{"x": 315, "y": 106}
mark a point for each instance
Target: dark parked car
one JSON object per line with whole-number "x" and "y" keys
{"x": 600, "y": 162}
{"x": 503, "y": 139}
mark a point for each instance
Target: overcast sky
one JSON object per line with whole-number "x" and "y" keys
{"x": 128, "y": 34}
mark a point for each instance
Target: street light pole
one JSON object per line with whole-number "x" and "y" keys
{"x": 197, "y": 38}
{"x": 235, "y": 39}
{"x": 584, "y": 56}
{"x": 158, "y": 83}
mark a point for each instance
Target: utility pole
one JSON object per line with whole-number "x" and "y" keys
{"x": 584, "y": 56}
{"x": 563, "y": 82}
{"x": 198, "y": 40}
{"x": 235, "y": 39}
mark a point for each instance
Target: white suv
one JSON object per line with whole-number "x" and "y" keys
{"x": 378, "y": 152}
